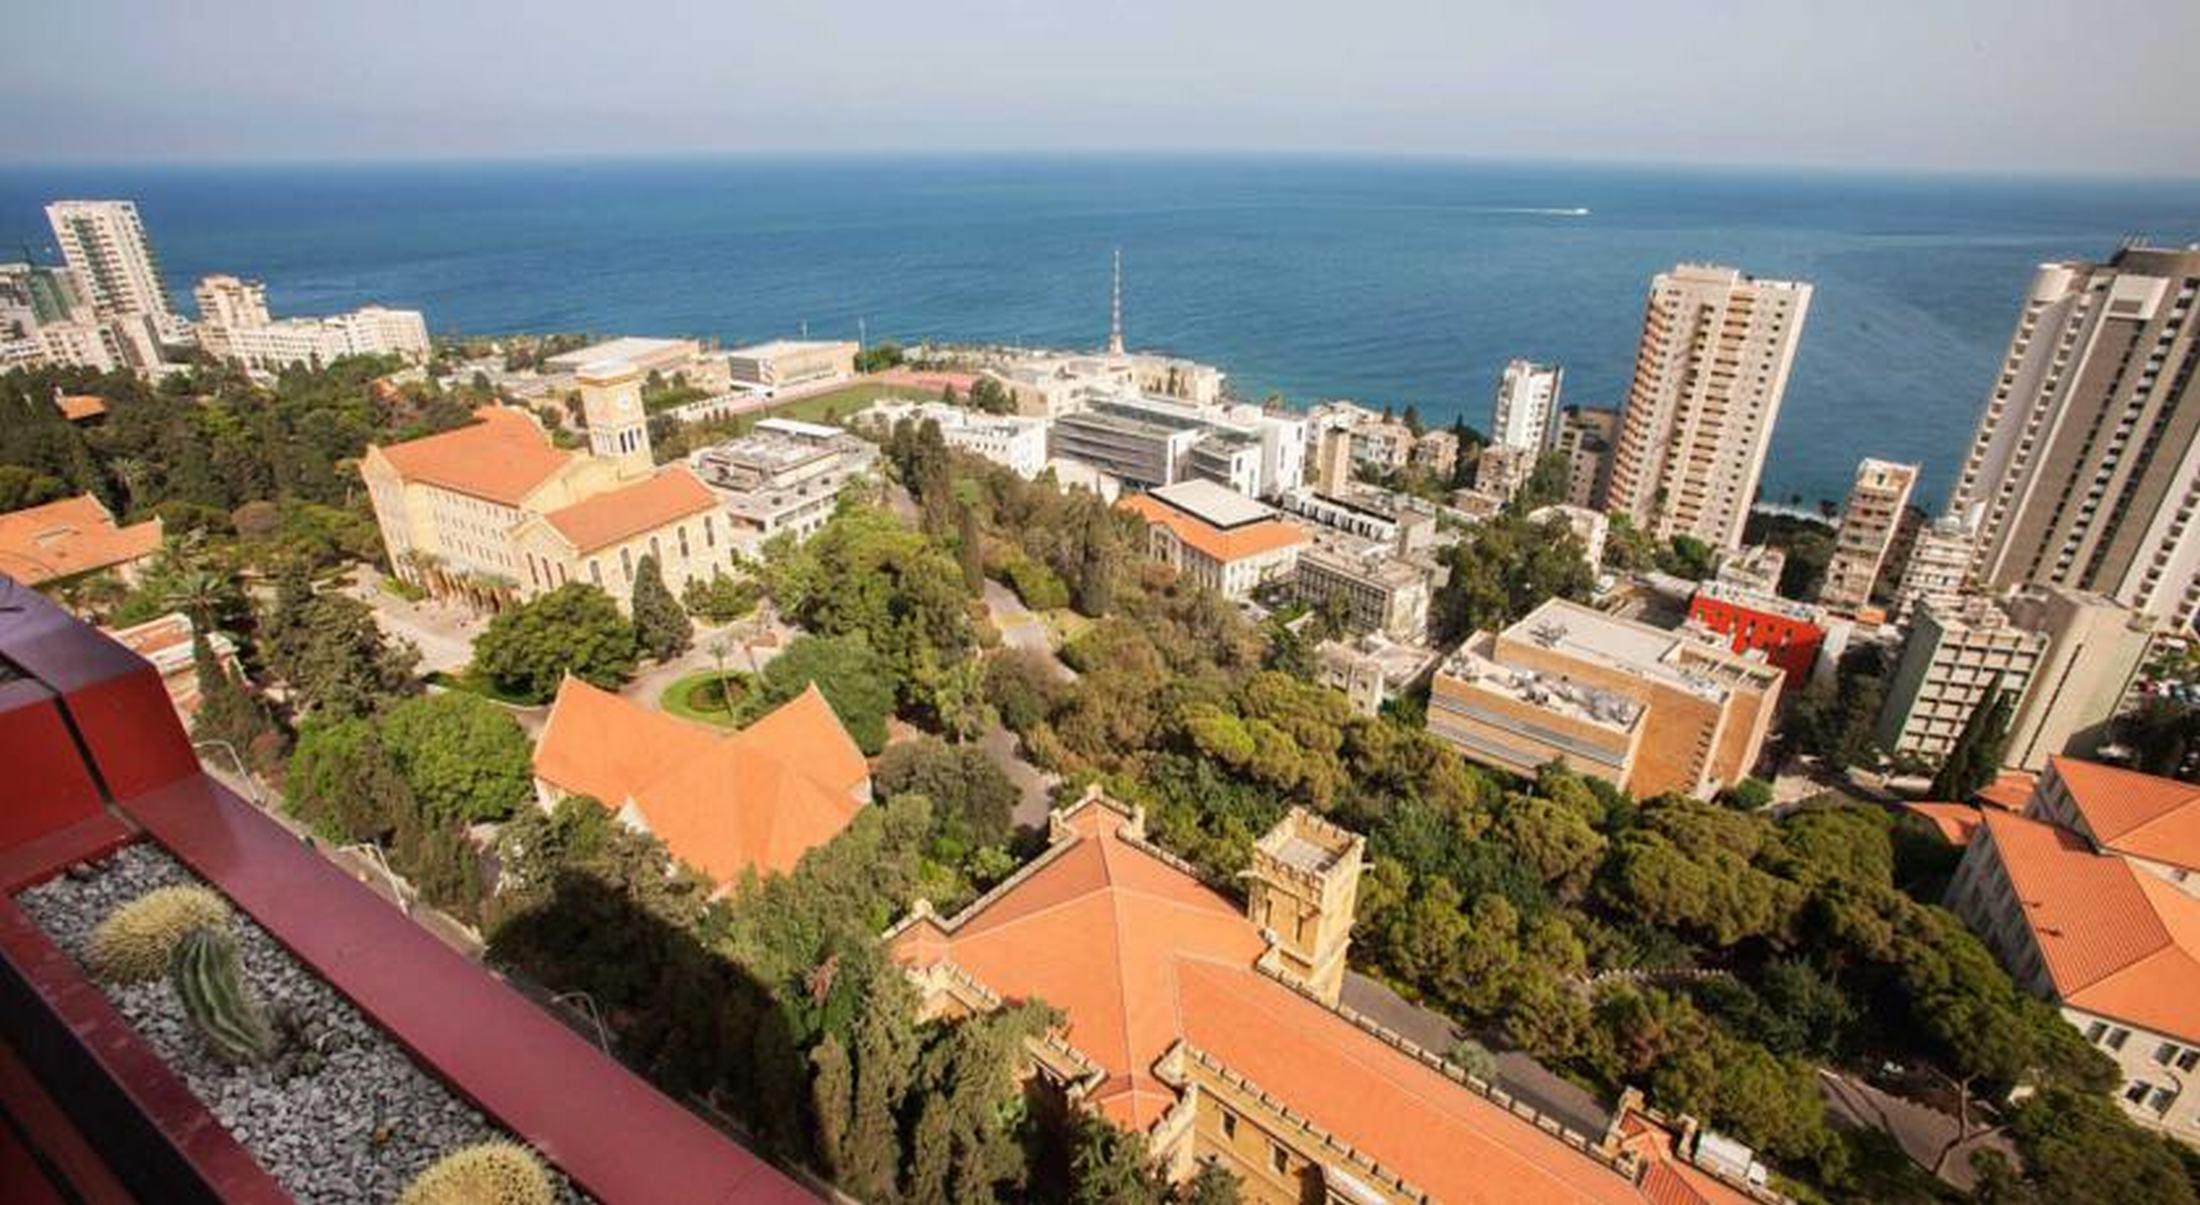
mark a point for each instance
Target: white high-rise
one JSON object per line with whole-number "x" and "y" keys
{"x": 105, "y": 246}
{"x": 1527, "y": 410}
{"x": 234, "y": 324}
{"x": 1709, "y": 375}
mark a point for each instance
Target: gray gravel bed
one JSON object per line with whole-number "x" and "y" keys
{"x": 357, "y": 1130}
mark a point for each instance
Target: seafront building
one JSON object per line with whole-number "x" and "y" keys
{"x": 1147, "y": 442}
{"x": 2110, "y": 938}
{"x": 235, "y": 325}
{"x": 493, "y": 513}
{"x": 111, "y": 261}
{"x": 1526, "y": 415}
{"x": 1217, "y": 537}
{"x": 784, "y": 363}
{"x": 1709, "y": 376}
{"x": 1644, "y": 708}
{"x": 723, "y": 803}
{"x": 667, "y": 358}
{"x": 2085, "y": 467}
{"x": 1220, "y": 1033}
{"x": 1877, "y": 501}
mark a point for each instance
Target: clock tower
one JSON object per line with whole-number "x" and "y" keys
{"x": 611, "y": 405}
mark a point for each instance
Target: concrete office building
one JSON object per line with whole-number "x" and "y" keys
{"x": 1874, "y": 512}
{"x": 784, "y": 476}
{"x": 1647, "y": 709}
{"x": 2094, "y": 650}
{"x": 1142, "y": 447}
{"x": 785, "y": 362}
{"x": 111, "y": 260}
{"x": 1709, "y": 375}
{"x": 1938, "y": 566}
{"x": 1013, "y": 441}
{"x": 1371, "y": 668}
{"x": 1376, "y": 591}
{"x": 2085, "y": 468}
{"x": 32, "y": 295}
{"x": 1953, "y": 653}
{"x": 1527, "y": 411}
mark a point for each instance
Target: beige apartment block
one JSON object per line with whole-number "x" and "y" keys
{"x": 1710, "y": 371}
{"x": 1954, "y": 653}
{"x": 1648, "y": 709}
{"x": 1937, "y": 567}
{"x": 2085, "y": 467}
{"x": 1376, "y": 590}
{"x": 1586, "y": 435}
{"x": 2094, "y": 650}
{"x": 1868, "y": 525}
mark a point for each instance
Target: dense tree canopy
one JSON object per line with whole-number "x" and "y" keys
{"x": 575, "y": 629}
{"x": 465, "y": 758}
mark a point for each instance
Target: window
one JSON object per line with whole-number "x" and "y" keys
{"x": 2165, "y": 1052}
{"x": 710, "y": 533}
{"x": 2160, "y": 1101}
{"x": 2094, "y": 1031}
{"x": 595, "y": 574}
{"x": 2136, "y": 1091}
{"x": 1278, "y": 1158}
{"x": 1229, "y": 1124}
{"x": 2117, "y": 1037}
{"x": 626, "y": 565}
{"x": 2188, "y": 1060}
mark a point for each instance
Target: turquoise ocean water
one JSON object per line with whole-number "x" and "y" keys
{"x": 1387, "y": 281}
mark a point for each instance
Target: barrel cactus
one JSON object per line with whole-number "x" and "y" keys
{"x": 136, "y": 940}
{"x": 207, "y": 979}
{"x": 487, "y": 1173}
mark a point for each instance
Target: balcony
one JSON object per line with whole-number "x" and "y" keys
{"x": 98, "y": 764}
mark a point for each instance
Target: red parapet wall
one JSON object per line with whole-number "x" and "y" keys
{"x": 1788, "y": 643}
{"x": 92, "y": 716}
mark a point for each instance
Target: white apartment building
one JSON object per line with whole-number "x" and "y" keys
{"x": 235, "y": 325}
{"x": 1528, "y": 406}
{"x": 2084, "y": 470}
{"x": 1868, "y": 526}
{"x": 107, "y": 251}
{"x": 1939, "y": 564}
{"x": 1710, "y": 372}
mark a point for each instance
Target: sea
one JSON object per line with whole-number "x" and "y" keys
{"x": 1392, "y": 282}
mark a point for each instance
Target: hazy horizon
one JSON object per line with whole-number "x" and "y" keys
{"x": 2025, "y": 88}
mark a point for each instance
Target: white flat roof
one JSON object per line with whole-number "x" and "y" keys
{"x": 1218, "y": 505}
{"x": 629, "y": 347}
{"x": 781, "y": 347}
{"x": 795, "y": 426}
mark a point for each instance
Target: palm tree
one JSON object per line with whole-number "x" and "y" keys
{"x": 199, "y": 593}
{"x": 959, "y": 698}
{"x": 719, "y": 647}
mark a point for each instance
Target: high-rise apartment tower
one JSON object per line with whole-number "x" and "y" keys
{"x": 1526, "y": 415}
{"x": 104, "y": 244}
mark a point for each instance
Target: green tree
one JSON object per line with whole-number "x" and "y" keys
{"x": 2080, "y": 1147}
{"x": 333, "y": 654}
{"x": 575, "y": 629}
{"x": 231, "y": 711}
{"x": 832, "y": 1091}
{"x": 661, "y": 628}
{"x": 971, "y": 796}
{"x": 847, "y": 671}
{"x": 466, "y": 759}
{"x": 1975, "y": 758}
{"x": 1111, "y": 1167}
{"x": 344, "y": 783}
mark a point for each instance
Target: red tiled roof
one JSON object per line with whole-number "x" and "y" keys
{"x": 1140, "y": 955}
{"x": 2134, "y": 813}
{"x": 69, "y": 537}
{"x": 631, "y": 510}
{"x": 2116, "y": 940}
{"x": 758, "y": 798}
{"x": 76, "y": 407}
{"x": 1955, "y": 822}
{"x": 503, "y": 457}
{"x": 2010, "y": 790}
{"x": 1222, "y": 544}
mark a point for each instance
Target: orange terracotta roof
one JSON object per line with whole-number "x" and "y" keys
{"x": 1667, "y": 1178}
{"x": 1954, "y": 821}
{"x": 631, "y": 510}
{"x": 76, "y": 407}
{"x": 2116, "y": 940}
{"x": 1139, "y": 955}
{"x": 2134, "y": 813}
{"x": 69, "y": 537}
{"x": 723, "y": 803}
{"x": 2010, "y": 790}
{"x": 503, "y": 457}
{"x": 1222, "y": 544}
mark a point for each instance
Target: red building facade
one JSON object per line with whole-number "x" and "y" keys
{"x": 1783, "y": 631}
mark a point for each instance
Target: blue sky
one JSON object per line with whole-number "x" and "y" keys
{"x": 1960, "y": 84}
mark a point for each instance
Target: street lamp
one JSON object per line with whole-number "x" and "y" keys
{"x": 586, "y": 1006}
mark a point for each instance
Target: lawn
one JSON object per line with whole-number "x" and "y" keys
{"x": 837, "y": 405}
{"x": 698, "y": 697}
